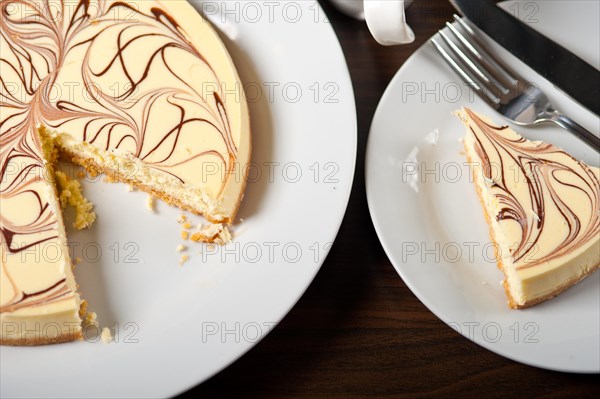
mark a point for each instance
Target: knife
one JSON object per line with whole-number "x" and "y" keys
{"x": 571, "y": 74}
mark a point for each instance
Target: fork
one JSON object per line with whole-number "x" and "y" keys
{"x": 513, "y": 97}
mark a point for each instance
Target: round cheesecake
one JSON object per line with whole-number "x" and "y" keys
{"x": 144, "y": 91}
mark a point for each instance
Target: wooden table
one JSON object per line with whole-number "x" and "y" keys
{"x": 359, "y": 330}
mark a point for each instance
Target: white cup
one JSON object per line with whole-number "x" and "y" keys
{"x": 385, "y": 18}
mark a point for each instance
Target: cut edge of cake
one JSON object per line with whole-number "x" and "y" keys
{"x": 511, "y": 284}
{"x": 122, "y": 166}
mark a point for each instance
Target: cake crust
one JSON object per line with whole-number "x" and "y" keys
{"x": 38, "y": 340}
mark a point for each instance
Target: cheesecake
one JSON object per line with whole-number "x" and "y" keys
{"x": 142, "y": 91}
{"x": 542, "y": 208}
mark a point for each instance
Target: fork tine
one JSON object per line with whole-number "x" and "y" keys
{"x": 484, "y": 94}
{"x": 492, "y": 89}
{"x": 481, "y": 73}
{"x": 464, "y": 25}
{"x": 479, "y": 51}
{"x": 482, "y": 60}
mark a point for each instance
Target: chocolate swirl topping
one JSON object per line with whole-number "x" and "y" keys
{"x": 116, "y": 74}
{"x": 557, "y": 207}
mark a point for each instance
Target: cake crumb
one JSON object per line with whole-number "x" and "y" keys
{"x": 87, "y": 318}
{"x": 71, "y": 194}
{"x": 130, "y": 187}
{"x": 106, "y": 336}
{"x": 92, "y": 172}
{"x": 82, "y": 308}
{"x": 181, "y": 248}
{"x": 213, "y": 233}
{"x": 184, "y": 258}
{"x": 185, "y": 235}
{"x": 182, "y": 218}
{"x": 81, "y": 174}
{"x": 90, "y": 319}
{"x": 150, "y": 204}
{"x": 109, "y": 179}
{"x": 224, "y": 237}
{"x": 77, "y": 260}
{"x": 187, "y": 225}
{"x": 241, "y": 220}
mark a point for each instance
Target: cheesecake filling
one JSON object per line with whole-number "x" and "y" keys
{"x": 542, "y": 206}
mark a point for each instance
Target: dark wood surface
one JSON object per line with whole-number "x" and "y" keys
{"x": 358, "y": 330}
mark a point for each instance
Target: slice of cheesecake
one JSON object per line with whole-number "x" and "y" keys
{"x": 39, "y": 303}
{"x": 144, "y": 91}
{"x": 542, "y": 207}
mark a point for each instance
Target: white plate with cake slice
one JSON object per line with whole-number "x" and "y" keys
{"x": 180, "y": 311}
{"x": 428, "y": 216}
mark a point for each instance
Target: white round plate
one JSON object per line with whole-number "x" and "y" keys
{"x": 176, "y": 326}
{"x": 428, "y": 217}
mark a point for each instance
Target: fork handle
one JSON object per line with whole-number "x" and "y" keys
{"x": 578, "y": 130}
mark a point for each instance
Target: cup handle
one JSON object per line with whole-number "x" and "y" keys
{"x": 387, "y": 22}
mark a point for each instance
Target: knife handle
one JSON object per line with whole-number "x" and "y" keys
{"x": 578, "y": 130}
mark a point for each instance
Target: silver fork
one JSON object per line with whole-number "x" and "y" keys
{"x": 516, "y": 99}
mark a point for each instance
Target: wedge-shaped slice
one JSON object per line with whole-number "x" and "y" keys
{"x": 39, "y": 303}
{"x": 542, "y": 208}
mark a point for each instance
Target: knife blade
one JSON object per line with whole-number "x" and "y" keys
{"x": 577, "y": 78}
